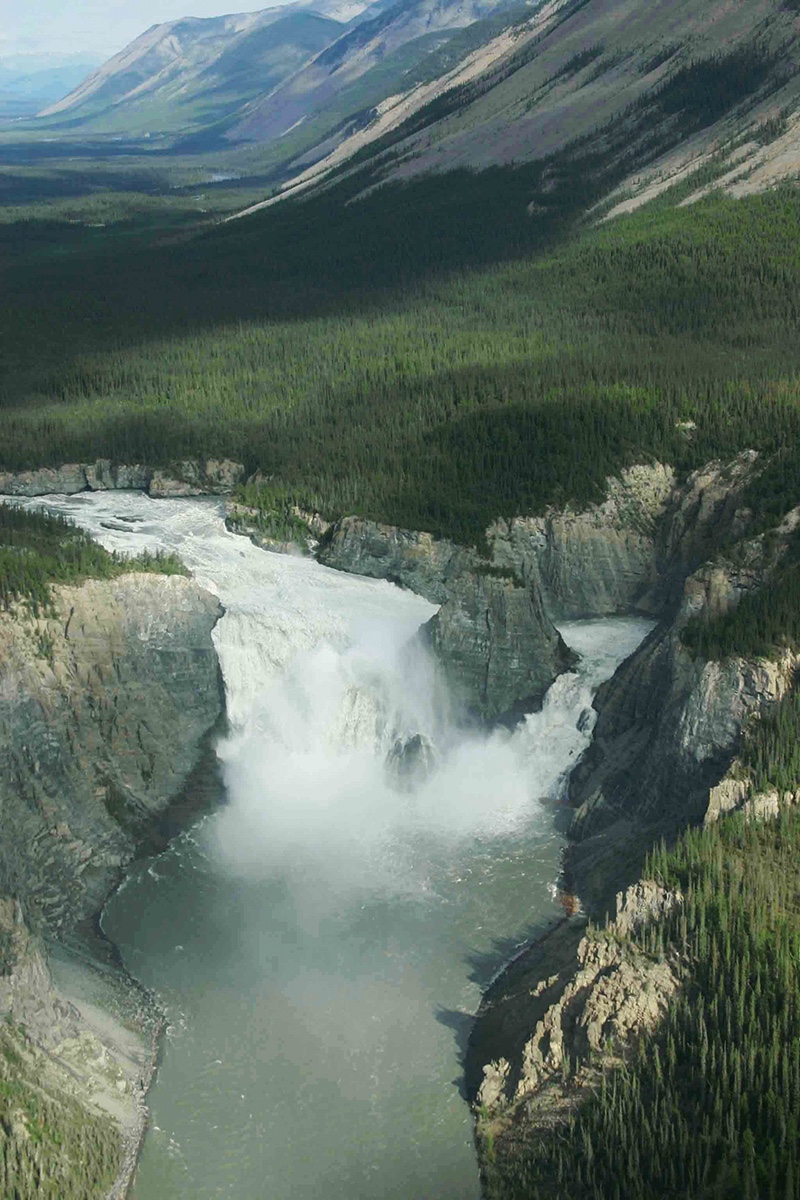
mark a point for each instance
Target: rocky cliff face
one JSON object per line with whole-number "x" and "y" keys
{"x": 498, "y": 649}
{"x": 573, "y": 998}
{"x": 105, "y": 703}
{"x": 103, "y": 707}
{"x": 667, "y": 729}
{"x": 602, "y": 560}
{"x": 497, "y": 646}
{"x": 419, "y": 561}
{"x": 190, "y": 477}
{"x": 494, "y": 634}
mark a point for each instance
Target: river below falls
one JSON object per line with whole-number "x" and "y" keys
{"x": 319, "y": 942}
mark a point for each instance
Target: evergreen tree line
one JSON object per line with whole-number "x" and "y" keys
{"x": 51, "y": 1148}
{"x": 38, "y": 549}
{"x": 762, "y": 625}
{"x": 417, "y": 362}
{"x": 771, "y": 746}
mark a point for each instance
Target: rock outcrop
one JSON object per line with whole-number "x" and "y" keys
{"x": 426, "y": 565}
{"x": 667, "y": 730}
{"x": 580, "y": 999}
{"x": 497, "y": 646}
{"x": 498, "y": 650}
{"x": 103, "y": 707}
{"x": 189, "y": 477}
{"x": 291, "y": 531}
{"x": 494, "y": 634}
{"x": 596, "y": 561}
{"x": 105, "y": 704}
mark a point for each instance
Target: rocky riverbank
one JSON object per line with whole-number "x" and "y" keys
{"x": 105, "y": 704}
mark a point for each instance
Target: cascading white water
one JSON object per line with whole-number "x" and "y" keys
{"x": 309, "y": 939}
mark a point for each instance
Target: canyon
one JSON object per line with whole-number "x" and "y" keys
{"x": 108, "y": 702}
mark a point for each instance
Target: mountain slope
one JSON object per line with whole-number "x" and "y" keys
{"x": 193, "y": 72}
{"x": 348, "y": 79}
{"x": 635, "y": 82}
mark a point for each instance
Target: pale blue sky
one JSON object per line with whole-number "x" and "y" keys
{"x": 97, "y": 28}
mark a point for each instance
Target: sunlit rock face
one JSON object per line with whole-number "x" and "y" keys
{"x": 103, "y": 707}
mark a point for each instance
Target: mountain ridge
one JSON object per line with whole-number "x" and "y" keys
{"x": 170, "y": 67}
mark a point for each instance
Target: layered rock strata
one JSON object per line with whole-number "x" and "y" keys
{"x": 668, "y": 727}
{"x": 105, "y": 705}
{"x": 495, "y": 635}
{"x": 498, "y": 650}
{"x": 189, "y": 477}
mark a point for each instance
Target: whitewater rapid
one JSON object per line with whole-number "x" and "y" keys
{"x": 319, "y": 940}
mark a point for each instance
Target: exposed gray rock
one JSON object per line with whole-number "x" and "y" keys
{"x": 411, "y": 760}
{"x": 497, "y": 647}
{"x": 103, "y": 708}
{"x": 667, "y": 729}
{"x": 573, "y": 1000}
{"x": 66, "y": 480}
{"x": 104, "y": 476}
{"x": 193, "y": 477}
{"x": 104, "y": 705}
{"x": 419, "y": 561}
{"x": 258, "y": 526}
{"x": 705, "y": 513}
{"x": 597, "y": 561}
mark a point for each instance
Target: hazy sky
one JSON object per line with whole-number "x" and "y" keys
{"x": 97, "y": 28}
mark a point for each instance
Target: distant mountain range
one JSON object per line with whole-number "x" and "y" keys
{"x": 29, "y": 82}
{"x": 255, "y": 76}
{"x": 193, "y": 73}
{"x": 428, "y": 85}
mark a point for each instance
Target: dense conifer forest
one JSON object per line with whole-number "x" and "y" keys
{"x": 50, "y": 1147}
{"x": 432, "y": 354}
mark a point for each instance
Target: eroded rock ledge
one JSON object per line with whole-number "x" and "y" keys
{"x": 578, "y": 995}
{"x": 188, "y": 477}
{"x": 495, "y": 634}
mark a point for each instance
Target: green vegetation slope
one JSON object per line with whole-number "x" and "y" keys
{"x": 414, "y": 361}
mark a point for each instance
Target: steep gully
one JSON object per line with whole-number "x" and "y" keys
{"x": 611, "y": 558}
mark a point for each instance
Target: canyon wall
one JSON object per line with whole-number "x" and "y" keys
{"x": 669, "y": 724}
{"x": 189, "y": 477}
{"x": 106, "y": 702}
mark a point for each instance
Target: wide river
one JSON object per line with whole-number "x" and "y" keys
{"x": 319, "y": 941}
